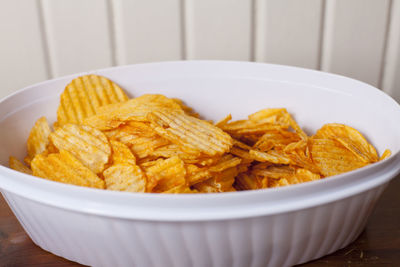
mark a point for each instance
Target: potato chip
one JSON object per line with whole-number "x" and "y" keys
{"x": 38, "y": 138}
{"x": 350, "y": 138}
{"x": 65, "y": 168}
{"x": 276, "y": 138}
{"x": 84, "y": 95}
{"x": 121, "y": 153}
{"x": 220, "y": 182}
{"x": 181, "y": 189}
{"x": 87, "y": 144}
{"x": 226, "y": 162}
{"x": 166, "y": 174}
{"x": 332, "y": 158}
{"x": 245, "y": 181}
{"x": 125, "y": 177}
{"x": 17, "y": 165}
{"x": 135, "y": 109}
{"x": 300, "y": 155}
{"x": 224, "y": 121}
{"x": 195, "y": 174}
{"x": 385, "y": 154}
{"x": 188, "y": 110}
{"x": 190, "y": 133}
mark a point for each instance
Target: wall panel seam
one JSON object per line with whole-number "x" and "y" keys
{"x": 321, "y": 35}
{"x": 45, "y": 40}
{"x": 326, "y": 38}
{"x": 253, "y": 28}
{"x": 385, "y": 45}
{"x": 111, "y": 26}
{"x": 183, "y": 28}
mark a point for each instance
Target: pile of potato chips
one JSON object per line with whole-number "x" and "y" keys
{"x": 104, "y": 139}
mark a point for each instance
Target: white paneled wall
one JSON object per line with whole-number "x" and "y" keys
{"x": 354, "y": 38}
{"x": 289, "y": 32}
{"x": 43, "y": 39}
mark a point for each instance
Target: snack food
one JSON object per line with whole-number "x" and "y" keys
{"x": 152, "y": 143}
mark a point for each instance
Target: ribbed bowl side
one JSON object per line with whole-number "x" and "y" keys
{"x": 277, "y": 240}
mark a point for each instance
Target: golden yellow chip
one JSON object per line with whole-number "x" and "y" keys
{"x": 350, "y": 138}
{"x": 17, "y": 165}
{"x": 195, "y": 174}
{"x": 125, "y": 177}
{"x": 166, "y": 174}
{"x": 385, "y": 154}
{"x": 275, "y": 138}
{"x": 121, "y": 153}
{"x": 224, "y": 121}
{"x": 181, "y": 189}
{"x": 83, "y": 97}
{"x": 300, "y": 155}
{"x": 220, "y": 182}
{"x": 38, "y": 138}
{"x": 332, "y": 158}
{"x": 65, "y": 168}
{"x": 188, "y": 110}
{"x": 191, "y": 133}
{"x": 135, "y": 109}
{"x": 87, "y": 144}
{"x": 226, "y": 162}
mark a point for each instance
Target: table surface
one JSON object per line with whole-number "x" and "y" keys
{"x": 378, "y": 245}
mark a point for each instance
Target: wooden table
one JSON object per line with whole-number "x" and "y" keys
{"x": 378, "y": 245}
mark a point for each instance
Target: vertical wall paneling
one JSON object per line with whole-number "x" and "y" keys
{"x": 391, "y": 70}
{"x": 218, "y": 29}
{"x": 354, "y": 38}
{"x": 78, "y": 34}
{"x": 289, "y": 32}
{"x": 22, "y": 55}
{"x": 147, "y": 30}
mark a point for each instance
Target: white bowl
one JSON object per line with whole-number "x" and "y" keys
{"x": 272, "y": 227}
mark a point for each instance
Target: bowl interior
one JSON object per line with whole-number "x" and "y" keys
{"x": 215, "y": 89}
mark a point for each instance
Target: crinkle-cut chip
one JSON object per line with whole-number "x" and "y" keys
{"x": 17, "y": 165}
{"x": 181, "y": 189}
{"x": 385, "y": 154}
{"x": 350, "y": 138}
{"x": 165, "y": 174}
{"x": 139, "y": 137}
{"x": 195, "y": 174}
{"x": 135, "y": 109}
{"x": 332, "y": 158}
{"x": 38, "y": 138}
{"x": 220, "y": 182}
{"x": 84, "y": 95}
{"x": 224, "y": 121}
{"x": 121, "y": 153}
{"x": 275, "y": 138}
{"x": 131, "y": 129}
{"x": 300, "y": 176}
{"x": 226, "y": 162}
{"x": 65, "y": 168}
{"x": 188, "y": 110}
{"x": 144, "y": 146}
{"x": 300, "y": 155}
{"x": 125, "y": 177}
{"x": 270, "y": 156}
{"x": 190, "y": 132}
{"x": 246, "y": 152}
{"x": 273, "y": 171}
{"x": 304, "y": 175}
{"x": 87, "y": 144}
{"x": 171, "y": 150}
{"x": 270, "y": 115}
{"x": 245, "y": 181}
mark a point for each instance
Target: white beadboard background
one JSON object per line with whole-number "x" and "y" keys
{"x": 43, "y": 39}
